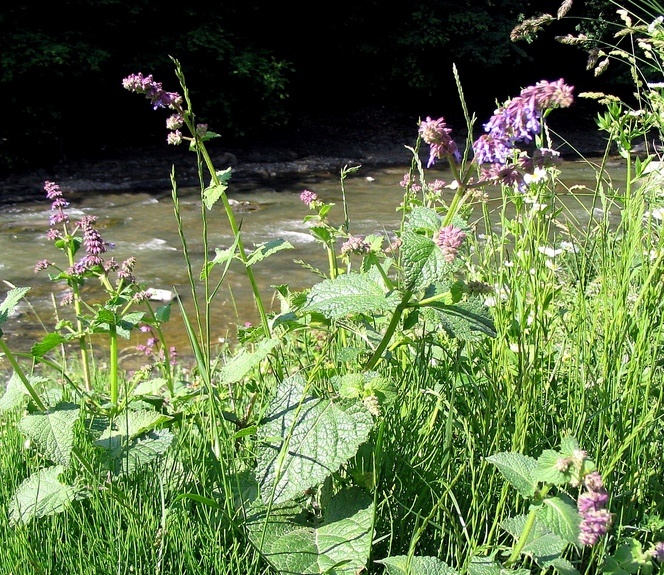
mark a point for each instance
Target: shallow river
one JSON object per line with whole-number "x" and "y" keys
{"x": 143, "y": 225}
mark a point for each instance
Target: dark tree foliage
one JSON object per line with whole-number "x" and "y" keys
{"x": 251, "y": 66}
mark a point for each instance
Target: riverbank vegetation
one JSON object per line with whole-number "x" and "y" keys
{"x": 478, "y": 391}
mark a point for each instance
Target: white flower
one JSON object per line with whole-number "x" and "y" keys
{"x": 549, "y": 251}
{"x": 538, "y": 175}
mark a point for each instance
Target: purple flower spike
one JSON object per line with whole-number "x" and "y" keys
{"x": 657, "y": 552}
{"x": 437, "y": 135}
{"x": 595, "y": 518}
{"x": 449, "y": 239}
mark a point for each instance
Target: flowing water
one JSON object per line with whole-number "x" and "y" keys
{"x": 143, "y": 225}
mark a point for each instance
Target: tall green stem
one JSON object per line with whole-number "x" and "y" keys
{"x": 113, "y": 364}
{"x": 389, "y": 332}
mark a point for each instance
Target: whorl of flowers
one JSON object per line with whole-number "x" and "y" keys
{"x": 595, "y": 517}
{"x": 519, "y": 120}
{"x": 437, "y": 135}
{"x": 657, "y": 552}
{"x": 355, "y": 245}
{"x": 160, "y": 98}
{"x": 308, "y": 197}
{"x": 449, "y": 239}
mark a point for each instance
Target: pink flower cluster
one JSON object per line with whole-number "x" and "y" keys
{"x": 595, "y": 517}
{"x": 449, "y": 239}
{"x": 355, "y": 245}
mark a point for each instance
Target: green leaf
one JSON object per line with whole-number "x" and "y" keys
{"x": 423, "y": 219}
{"x": 163, "y": 313}
{"x": 9, "y": 304}
{"x": 423, "y": 565}
{"x": 49, "y": 341}
{"x": 349, "y": 294}
{"x": 547, "y": 468}
{"x": 244, "y": 362}
{"x": 542, "y": 544}
{"x": 304, "y": 439}
{"x": 465, "y": 320}
{"x": 15, "y": 394}
{"x": 562, "y": 566}
{"x": 517, "y": 469}
{"x": 561, "y": 515}
{"x": 53, "y": 431}
{"x": 266, "y": 249}
{"x": 295, "y": 543}
{"x": 212, "y": 194}
{"x": 41, "y": 494}
{"x": 423, "y": 261}
{"x": 489, "y": 566}
{"x": 131, "y": 440}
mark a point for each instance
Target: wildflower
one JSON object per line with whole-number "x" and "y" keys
{"x": 173, "y": 355}
{"x": 538, "y": 175}
{"x": 42, "y": 265}
{"x": 67, "y": 299}
{"x": 174, "y": 138}
{"x": 519, "y": 119}
{"x": 490, "y": 150}
{"x": 153, "y": 91}
{"x": 308, "y": 197}
{"x": 53, "y": 192}
{"x": 437, "y": 135}
{"x": 657, "y": 552}
{"x": 449, "y": 239}
{"x": 372, "y": 404}
{"x": 595, "y": 518}
{"x": 355, "y": 245}
{"x": 92, "y": 240}
{"x": 174, "y": 122}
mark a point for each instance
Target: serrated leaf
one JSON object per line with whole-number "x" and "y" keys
{"x": 163, "y": 313}
{"x": 14, "y": 395}
{"x": 562, "y": 566}
{"x": 295, "y": 544}
{"x": 517, "y": 469}
{"x": 266, "y": 249}
{"x": 304, "y": 439}
{"x": 131, "y": 441}
{"x": 466, "y": 320}
{"x": 423, "y": 261}
{"x": 349, "y": 294}
{"x": 150, "y": 386}
{"x": 561, "y": 515}
{"x": 489, "y": 566}
{"x": 547, "y": 468}
{"x": 53, "y": 431}
{"x": 418, "y": 565}
{"x": 241, "y": 364}
{"x": 423, "y": 220}
{"x": 41, "y": 494}
{"x": 9, "y": 304}
{"x": 48, "y": 342}
{"x": 542, "y": 544}
{"x": 213, "y": 193}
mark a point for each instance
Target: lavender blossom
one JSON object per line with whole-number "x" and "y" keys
{"x": 657, "y": 552}
{"x": 53, "y": 192}
{"x": 437, "y": 135}
{"x": 42, "y": 265}
{"x": 519, "y": 120}
{"x": 595, "y": 518}
{"x": 449, "y": 239}
{"x": 158, "y": 97}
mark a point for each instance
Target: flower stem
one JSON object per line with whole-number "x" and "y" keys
{"x": 21, "y": 374}
{"x": 389, "y": 332}
{"x": 113, "y": 348}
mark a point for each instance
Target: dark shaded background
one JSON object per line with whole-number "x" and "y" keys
{"x": 258, "y": 69}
